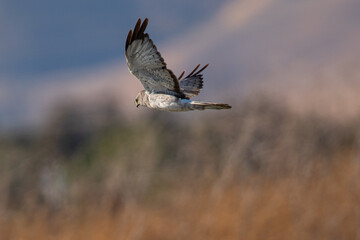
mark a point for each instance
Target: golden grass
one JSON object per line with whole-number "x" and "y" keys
{"x": 323, "y": 205}
{"x": 259, "y": 173}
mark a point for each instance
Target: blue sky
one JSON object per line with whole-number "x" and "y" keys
{"x": 42, "y": 36}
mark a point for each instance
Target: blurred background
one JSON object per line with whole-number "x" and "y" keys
{"x": 79, "y": 161}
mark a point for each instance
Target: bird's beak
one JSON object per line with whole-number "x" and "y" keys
{"x": 137, "y": 105}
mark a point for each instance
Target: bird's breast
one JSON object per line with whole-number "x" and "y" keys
{"x": 167, "y": 102}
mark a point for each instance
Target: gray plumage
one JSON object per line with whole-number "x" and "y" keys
{"x": 163, "y": 90}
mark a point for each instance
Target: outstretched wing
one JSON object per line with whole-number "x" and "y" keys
{"x": 146, "y": 63}
{"x": 192, "y": 83}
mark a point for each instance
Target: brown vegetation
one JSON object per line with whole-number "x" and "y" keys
{"x": 257, "y": 172}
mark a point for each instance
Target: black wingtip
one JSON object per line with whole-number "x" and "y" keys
{"x": 182, "y": 74}
{"x": 193, "y": 73}
{"x": 128, "y": 39}
{"x": 201, "y": 69}
{"x": 190, "y": 74}
{"x": 142, "y": 28}
{"x": 138, "y": 32}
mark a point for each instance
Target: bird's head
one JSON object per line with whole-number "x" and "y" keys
{"x": 137, "y": 101}
{"x": 140, "y": 97}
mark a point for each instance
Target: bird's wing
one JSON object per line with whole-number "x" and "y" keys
{"x": 192, "y": 83}
{"x": 146, "y": 63}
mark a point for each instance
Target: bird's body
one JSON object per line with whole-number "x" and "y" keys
{"x": 163, "y": 90}
{"x": 170, "y": 103}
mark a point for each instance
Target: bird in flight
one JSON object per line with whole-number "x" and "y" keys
{"x": 163, "y": 90}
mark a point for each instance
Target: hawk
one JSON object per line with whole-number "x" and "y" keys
{"x": 163, "y": 90}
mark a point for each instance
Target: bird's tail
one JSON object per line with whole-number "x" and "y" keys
{"x": 206, "y": 105}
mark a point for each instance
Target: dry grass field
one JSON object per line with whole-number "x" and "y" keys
{"x": 259, "y": 172}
